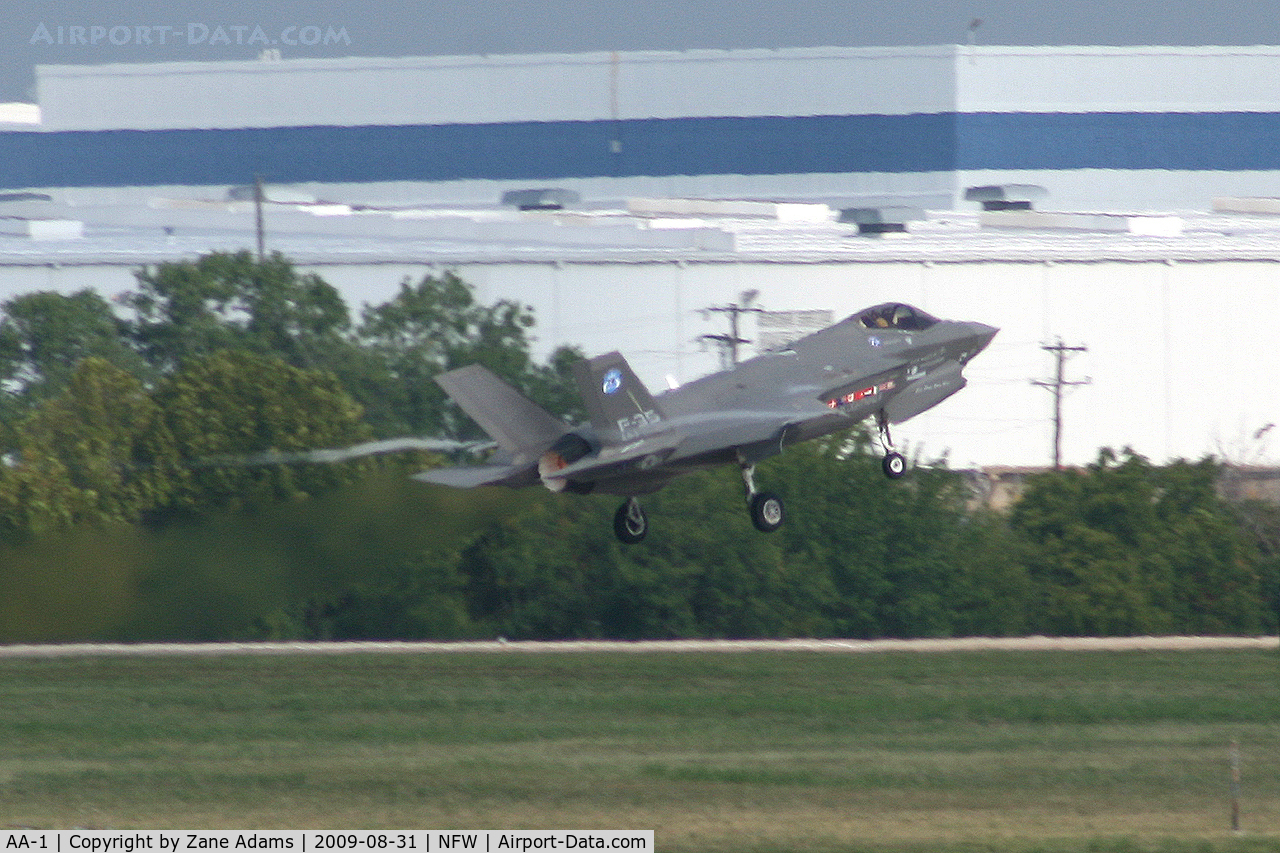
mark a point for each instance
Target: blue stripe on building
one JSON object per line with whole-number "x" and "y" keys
{"x": 763, "y": 145}
{"x": 1226, "y": 142}
{"x": 519, "y": 151}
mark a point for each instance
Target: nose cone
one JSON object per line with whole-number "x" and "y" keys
{"x": 982, "y": 335}
{"x": 976, "y": 338}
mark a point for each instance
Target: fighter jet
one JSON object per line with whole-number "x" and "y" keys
{"x": 890, "y": 362}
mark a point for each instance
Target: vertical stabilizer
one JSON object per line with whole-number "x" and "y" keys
{"x": 520, "y": 426}
{"x": 620, "y": 407}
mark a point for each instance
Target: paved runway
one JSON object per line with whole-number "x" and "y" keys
{"x": 972, "y": 644}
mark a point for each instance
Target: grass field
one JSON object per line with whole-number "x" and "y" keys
{"x": 997, "y": 751}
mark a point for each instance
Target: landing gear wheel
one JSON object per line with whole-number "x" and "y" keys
{"x": 630, "y": 524}
{"x": 766, "y": 512}
{"x": 895, "y": 465}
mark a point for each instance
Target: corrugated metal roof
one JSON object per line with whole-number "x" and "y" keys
{"x": 335, "y": 234}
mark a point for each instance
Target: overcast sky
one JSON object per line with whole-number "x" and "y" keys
{"x": 65, "y": 31}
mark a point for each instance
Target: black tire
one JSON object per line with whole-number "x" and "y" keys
{"x": 767, "y": 512}
{"x": 895, "y": 466}
{"x": 630, "y": 523}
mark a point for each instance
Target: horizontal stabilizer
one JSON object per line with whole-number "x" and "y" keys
{"x": 520, "y": 426}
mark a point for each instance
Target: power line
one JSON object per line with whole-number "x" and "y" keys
{"x": 729, "y": 343}
{"x": 1057, "y": 385}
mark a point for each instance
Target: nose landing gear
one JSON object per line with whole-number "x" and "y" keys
{"x": 894, "y": 464}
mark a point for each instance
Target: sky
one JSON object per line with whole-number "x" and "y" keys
{"x": 36, "y": 32}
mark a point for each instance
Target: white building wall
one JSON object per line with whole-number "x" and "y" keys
{"x": 488, "y": 89}
{"x": 595, "y": 86}
{"x": 1181, "y": 357}
{"x": 1117, "y": 79}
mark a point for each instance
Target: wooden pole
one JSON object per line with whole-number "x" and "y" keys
{"x": 1057, "y": 385}
{"x": 1235, "y": 786}
{"x": 257, "y": 216}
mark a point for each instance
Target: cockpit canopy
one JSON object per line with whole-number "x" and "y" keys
{"x": 896, "y": 315}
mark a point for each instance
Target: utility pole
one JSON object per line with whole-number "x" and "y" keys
{"x": 1056, "y": 386}
{"x": 257, "y": 215}
{"x": 729, "y": 343}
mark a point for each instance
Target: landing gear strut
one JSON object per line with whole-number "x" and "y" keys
{"x": 630, "y": 523}
{"x": 766, "y": 508}
{"x": 894, "y": 464}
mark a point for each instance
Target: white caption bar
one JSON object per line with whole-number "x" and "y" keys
{"x": 323, "y": 841}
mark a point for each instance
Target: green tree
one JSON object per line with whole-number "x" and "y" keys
{"x": 191, "y": 309}
{"x": 555, "y": 571}
{"x": 110, "y": 441}
{"x": 1261, "y": 522}
{"x": 227, "y": 410}
{"x": 1126, "y": 547}
{"x": 900, "y": 554}
{"x": 36, "y": 497}
{"x": 436, "y": 325}
{"x": 45, "y": 335}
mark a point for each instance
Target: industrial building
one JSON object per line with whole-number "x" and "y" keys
{"x": 1169, "y": 127}
{"x": 1118, "y": 199}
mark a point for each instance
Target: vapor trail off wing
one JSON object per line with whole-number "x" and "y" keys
{"x": 329, "y": 455}
{"x": 514, "y": 476}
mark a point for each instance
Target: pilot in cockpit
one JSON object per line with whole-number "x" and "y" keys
{"x": 896, "y": 315}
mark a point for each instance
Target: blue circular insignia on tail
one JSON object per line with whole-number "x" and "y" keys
{"x": 612, "y": 381}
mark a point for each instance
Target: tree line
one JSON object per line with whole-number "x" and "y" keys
{"x": 1121, "y": 547}
{"x": 124, "y": 513}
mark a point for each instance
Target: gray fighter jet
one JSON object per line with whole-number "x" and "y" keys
{"x": 890, "y": 362}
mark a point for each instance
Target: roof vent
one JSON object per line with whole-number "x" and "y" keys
{"x": 550, "y": 198}
{"x": 28, "y": 205}
{"x": 1006, "y": 196}
{"x": 25, "y": 196}
{"x": 877, "y": 221}
{"x": 272, "y": 193}
{"x": 1246, "y": 204}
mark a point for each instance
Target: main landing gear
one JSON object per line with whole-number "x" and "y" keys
{"x": 894, "y": 464}
{"x": 765, "y": 507}
{"x": 630, "y": 523}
